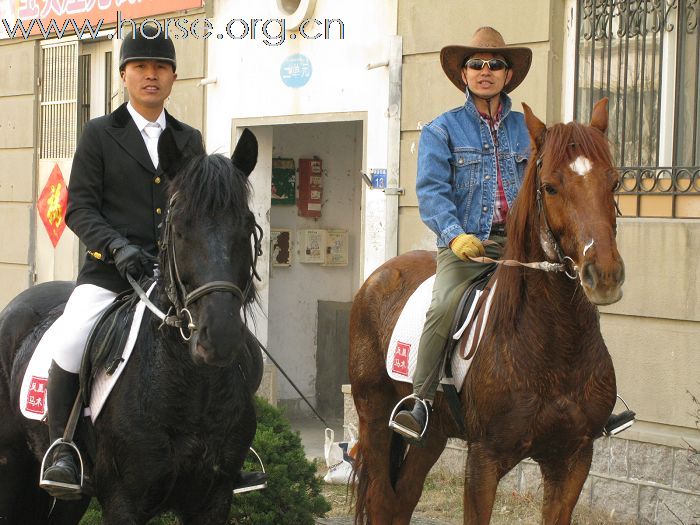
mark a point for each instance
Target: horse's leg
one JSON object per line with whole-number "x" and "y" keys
{"x": 563, "y": 480}
{"x": 118, "y": 509}
{"x": 414, "y": 470}
{"x": 21, "y": 499}
{"x": 215, "y": 512}
{"x": 375, "y": 445}
{"x": 480, "y": 485}
{"x": 68, "y": 512}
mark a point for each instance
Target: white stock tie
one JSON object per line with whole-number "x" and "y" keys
{"x": 152, "y": 131}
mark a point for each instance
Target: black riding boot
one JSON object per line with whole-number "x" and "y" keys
{"x": 619, "y": 422}
{"x": 411, "y": 423}
{"x": 62, "y": 478}
{"x": 250, "y": 481}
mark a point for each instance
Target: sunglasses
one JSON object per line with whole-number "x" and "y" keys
{"x": 495, "y": 64}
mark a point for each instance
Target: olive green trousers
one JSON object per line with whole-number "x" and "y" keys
{"x": 453, "y": 276}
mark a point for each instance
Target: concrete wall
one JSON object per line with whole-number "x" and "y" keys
{"x": 18, "y": 67}
{"x": 653, "y": 333}
{"x": 296, "y": 290}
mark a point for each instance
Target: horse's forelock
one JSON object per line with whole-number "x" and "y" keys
{"x": 209, "y": 185}
{"x": 565, "y": 142}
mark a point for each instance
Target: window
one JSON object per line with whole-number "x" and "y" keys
{"x": 644, "y": 55}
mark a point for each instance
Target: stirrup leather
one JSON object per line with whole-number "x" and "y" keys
{"x": 68, "y": 487}
{"x": 407, "y": 432}
{"x": 259, "y": 486}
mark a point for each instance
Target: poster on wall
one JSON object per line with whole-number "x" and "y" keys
{"x": 336, "y": 248}
{"x": 283, "y": 181}
{"x": 280, "y": 247}
{"x": 312, "y": 246}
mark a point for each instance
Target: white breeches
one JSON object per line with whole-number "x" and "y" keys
{"x": 68, "y": 335}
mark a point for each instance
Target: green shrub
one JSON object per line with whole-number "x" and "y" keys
{"x": 293, "y": 494}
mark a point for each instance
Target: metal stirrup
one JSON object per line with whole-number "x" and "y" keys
{"x": 60, "y": 442}
{"x": 400, "y": 429}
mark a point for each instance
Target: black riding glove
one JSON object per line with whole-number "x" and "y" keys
{"x": 134, "y": 260}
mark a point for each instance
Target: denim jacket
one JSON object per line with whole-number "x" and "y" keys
{"x": 457, "y": 179}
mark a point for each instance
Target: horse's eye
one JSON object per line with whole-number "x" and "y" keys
{"x": 551, "y": 190}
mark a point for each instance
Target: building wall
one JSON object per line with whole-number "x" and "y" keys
{"x": 249, "y": 85}
{"x": 18, "y": 68}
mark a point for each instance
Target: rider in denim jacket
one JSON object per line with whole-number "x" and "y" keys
{"x": 471, "y": 163}
{"x": 457, "y": 181}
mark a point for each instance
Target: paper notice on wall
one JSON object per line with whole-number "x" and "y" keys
{"x": 336, "y": 248}
{"x": 312, "y": 246}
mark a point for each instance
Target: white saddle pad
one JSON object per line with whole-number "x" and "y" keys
{"x": 402, "y": 355}
{"x": 33, "y": 394}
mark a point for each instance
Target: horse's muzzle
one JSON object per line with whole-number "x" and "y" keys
{"x": 602, "y": 284}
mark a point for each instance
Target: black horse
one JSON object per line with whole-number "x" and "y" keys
{"x": 176, "y": 429}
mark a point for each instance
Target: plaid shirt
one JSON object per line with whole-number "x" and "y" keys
{"x": 500, "y": 208}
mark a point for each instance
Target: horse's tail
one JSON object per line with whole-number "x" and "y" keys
{"x": 360, "y": 478}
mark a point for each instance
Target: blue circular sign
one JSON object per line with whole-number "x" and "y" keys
{"x": 295, "y": 71}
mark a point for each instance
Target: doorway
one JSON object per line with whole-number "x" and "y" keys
{"x": 309, "y": 299}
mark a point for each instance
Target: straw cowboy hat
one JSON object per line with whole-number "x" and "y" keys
{"x": 485, "y": 40}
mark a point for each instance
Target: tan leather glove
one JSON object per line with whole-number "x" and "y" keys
{"x": 466, "y": 245}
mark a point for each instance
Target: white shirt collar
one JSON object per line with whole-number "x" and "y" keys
{"x": 141, "y": 121}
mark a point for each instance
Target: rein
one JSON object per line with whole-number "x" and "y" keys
{"x": 179, "y": 297}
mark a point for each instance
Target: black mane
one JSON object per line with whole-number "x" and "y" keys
{"x": 211, "y": 184}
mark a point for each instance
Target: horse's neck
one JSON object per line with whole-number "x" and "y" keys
{"x": 557, "y": 313}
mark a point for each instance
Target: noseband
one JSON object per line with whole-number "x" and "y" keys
{"x": 178, "y": 314}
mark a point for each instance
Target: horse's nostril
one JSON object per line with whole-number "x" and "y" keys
{"x": 588, "y": 275}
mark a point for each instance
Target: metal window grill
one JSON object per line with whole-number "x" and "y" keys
{"x": 644, "y": 55}
{"x": 59, "y": 93}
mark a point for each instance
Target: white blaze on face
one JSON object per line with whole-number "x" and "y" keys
{"x": 588, "y": 246}
{"x": 581, "y": 166}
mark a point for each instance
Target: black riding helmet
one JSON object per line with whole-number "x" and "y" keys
{"x": 147, "y": 43}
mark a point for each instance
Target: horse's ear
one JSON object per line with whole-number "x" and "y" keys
{"x": 169, "y": 155}
{"x": 245, "y": 156}
{"x": 535, "y": 126}
{"x": 599, "y": 118}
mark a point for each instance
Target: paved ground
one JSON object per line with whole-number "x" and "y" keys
{"x": 312, "y": 438}
{"x": 312, "y": 434}
{"x": 348, "y": 521}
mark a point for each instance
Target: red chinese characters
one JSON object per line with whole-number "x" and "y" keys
{"x": 36, "y": 396}
{"x": 52, "y": 205}
{"x": 400, "y": 365}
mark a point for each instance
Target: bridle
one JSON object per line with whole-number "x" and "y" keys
{"x": 564, "y": 260}
{"x": 179, "y": 314}
{"x": 566, "y": 264}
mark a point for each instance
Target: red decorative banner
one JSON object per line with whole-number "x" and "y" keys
{"x": 52, "y": 205}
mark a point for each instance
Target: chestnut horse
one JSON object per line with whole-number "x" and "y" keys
{"x": 542, "y": 383}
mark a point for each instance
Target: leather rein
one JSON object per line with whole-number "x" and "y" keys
{"x": 179, "y": 314}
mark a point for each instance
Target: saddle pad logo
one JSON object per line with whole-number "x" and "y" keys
{"x": 400, "y": 365}
{"x": 36, "y": 396}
